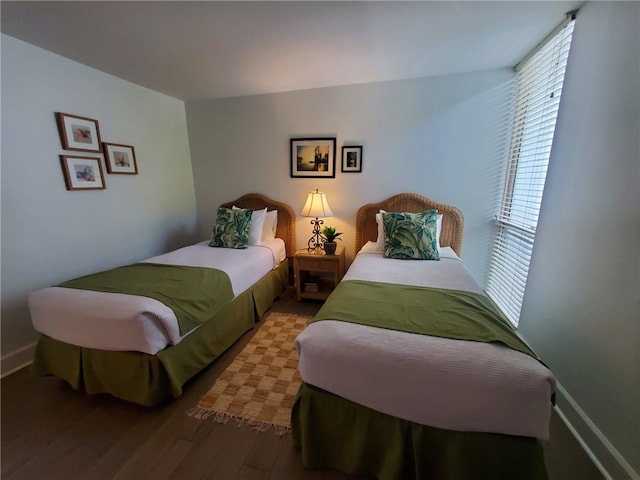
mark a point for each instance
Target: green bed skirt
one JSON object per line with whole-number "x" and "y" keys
{"x": 149, "y": 379}
{"x": 334, "y": 433}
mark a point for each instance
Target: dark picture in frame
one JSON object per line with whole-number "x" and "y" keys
{"x": 79, "y": 133}
{"x": 352, "y": 159}
{"x": 313, "y": 157}
{"x": 82, "y": 173}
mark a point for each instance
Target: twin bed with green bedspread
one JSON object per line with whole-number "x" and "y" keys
{"x": 410, "y": 372}
{"x": 191, "y": 315}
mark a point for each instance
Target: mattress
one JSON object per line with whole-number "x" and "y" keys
{"x": 121, "y": 322}
{"x": 449, "y": 384}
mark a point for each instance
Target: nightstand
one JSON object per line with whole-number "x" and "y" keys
{"x": 317, "y": 274}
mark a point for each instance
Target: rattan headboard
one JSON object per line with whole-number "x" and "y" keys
{"x": 452, "y": 218}
{"x": 286, "y": 217}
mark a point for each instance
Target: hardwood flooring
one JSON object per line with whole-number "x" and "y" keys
{"x": 50, "y": 432}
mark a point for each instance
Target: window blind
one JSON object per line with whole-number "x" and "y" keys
{"x": 540, "y": 77}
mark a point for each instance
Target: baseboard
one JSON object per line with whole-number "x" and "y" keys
{"x": 604, "y": 455}
{"x": 17, "y": 360}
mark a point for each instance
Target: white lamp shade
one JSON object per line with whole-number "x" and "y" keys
{"x": 316, "y": 205}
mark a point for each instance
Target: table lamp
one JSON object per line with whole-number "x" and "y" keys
{"x": 316, "y": 206}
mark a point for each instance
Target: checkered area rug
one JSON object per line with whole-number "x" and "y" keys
{"x": 261, "y": 384}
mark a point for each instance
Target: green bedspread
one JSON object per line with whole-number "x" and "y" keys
{"x": 335, "y": 433}
{"x": 195, "y": 294}
{"x": 437, "y": 312}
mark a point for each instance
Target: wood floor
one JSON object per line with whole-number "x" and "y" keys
{"x": 50, "y": 432}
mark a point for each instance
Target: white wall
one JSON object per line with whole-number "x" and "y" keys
{"x": 581, "y": 311}
{"x": 443, "y": 137}
{"x": 50, "y": 234}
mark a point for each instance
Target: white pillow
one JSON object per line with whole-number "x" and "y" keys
{"x": 270, "y": 225}
{"x": 257, "y": 223}
{"x": 380, "y": 241}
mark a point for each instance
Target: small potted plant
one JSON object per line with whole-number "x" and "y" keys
{"x": 330, "y": 235}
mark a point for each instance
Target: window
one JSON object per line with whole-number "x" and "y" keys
{"x": 539, "y": 86}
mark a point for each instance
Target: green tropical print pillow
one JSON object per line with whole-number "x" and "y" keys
{"x": 411, "y": 235}
{"x": 231, "y": 229}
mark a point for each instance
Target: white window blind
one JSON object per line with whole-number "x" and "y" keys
{"x": 539, "y": 87}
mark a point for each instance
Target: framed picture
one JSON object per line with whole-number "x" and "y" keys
{"x": 120, "y": 158}
{"x": 82, "y": 173}
{"x": 79, "y": 133}
{"x": 313, "y": 157}
{"x": 352, "y": 159}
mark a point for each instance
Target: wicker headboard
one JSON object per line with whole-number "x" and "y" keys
{"x": 452, "y": 218}
{"x": 286, "y": 217}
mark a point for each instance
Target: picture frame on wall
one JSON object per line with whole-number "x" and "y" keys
{"x": 352, "y": 158}
{"x": 313, "y": 157}
{"x": 79, "y": 133}
{"x": 120, "y": 159}
{"x": 82, "y": 173}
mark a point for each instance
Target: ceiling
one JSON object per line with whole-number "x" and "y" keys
{"x": 211, "y": 49}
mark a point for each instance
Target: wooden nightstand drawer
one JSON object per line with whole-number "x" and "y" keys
{"x": 319, "y": 264}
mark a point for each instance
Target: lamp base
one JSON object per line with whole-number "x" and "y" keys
{"x": 315, "y": 242}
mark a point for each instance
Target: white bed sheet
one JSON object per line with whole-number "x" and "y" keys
{"x": 121, "y": 322}
{"x": 440, "y": 382}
